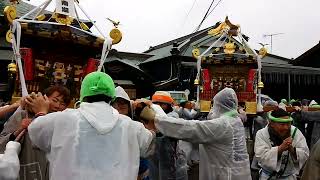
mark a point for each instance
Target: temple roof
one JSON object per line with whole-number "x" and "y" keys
{"x": 310, "y": 58}
{"x": 183, "y": 46}
{"x": 22, "y": 8}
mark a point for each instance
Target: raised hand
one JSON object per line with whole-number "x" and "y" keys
{"x": 38, "y": 103}
{"x": 19, "y": 137}
{"x": 286, "y": 144}
{"x": 23, "y": 126}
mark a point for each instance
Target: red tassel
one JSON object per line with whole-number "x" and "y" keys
{"x": 206, "y": 80}
{"x": 26, "y": 56}
{"x": 92, "y": 65}
{"x": 250, "y": 81}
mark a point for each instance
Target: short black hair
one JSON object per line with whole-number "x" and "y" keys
{"x": 138, "y": 111}
{"x": 183, "y": 103}
{"x": 305, "y": 102}
{"x": 242, "y": 104}
{"x": 119, "y": 98}
{"x": 97, "y": 98}
{"x": 296, "y": 103}
{"x": 63, "y": 91}
{"x": 279, "y": 113}
{"x": 170, "y": 109}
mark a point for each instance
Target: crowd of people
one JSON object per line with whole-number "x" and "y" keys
{"x": 110, "y": 136}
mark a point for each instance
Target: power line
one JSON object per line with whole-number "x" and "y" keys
{"x": 186, "y": 18}
{"x": 194, "y": 2}
{"x": 214, "y": 7}
{"x": 205, "y": 16}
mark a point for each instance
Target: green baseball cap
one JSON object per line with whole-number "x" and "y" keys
{"x": 97, "y": 83}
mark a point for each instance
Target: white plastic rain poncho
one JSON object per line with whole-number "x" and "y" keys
{"x": 9, "y": 161}
{"x": 223, "y": 152}
{"x": 93, "y": 142}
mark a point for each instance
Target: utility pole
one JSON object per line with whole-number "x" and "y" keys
{"x": 271, "y": 36}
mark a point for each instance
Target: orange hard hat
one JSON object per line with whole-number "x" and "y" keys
{"x": 162, "y": 97}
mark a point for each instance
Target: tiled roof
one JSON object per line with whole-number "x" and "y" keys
{"x": 22, "y": 8}
{"x": 309, "y": 58}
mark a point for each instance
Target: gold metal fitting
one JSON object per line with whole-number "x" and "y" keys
{"x": 12, "y": 67}
{"x": 196, "y": 82}
{"x": 260, "y": 85}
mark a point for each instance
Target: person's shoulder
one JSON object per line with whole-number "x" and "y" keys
{"x": 262, "y": 132}
{"x": 131, "y": 125}
{"x": 65, "y": 115}
{"x": 173, "y": 114}
{"x": 127, "y": 120}
{"x": 64, "y": 112}
{"x": 296, "y": 130}
{"x": 124, "y": 118}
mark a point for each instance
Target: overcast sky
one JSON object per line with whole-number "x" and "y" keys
{"x": 148, "y": 23}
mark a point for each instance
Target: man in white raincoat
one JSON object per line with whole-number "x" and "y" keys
{"x": 281, "y": 149}
{"x": 93, "y": 142}
{"x": 223, "y": 152}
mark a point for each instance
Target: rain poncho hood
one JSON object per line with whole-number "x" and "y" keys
{"x": 224, "y": 102}
{"x": 121, "y": 93}
{"x": 97, "y": 83}
{"x": 93, "y": 112}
